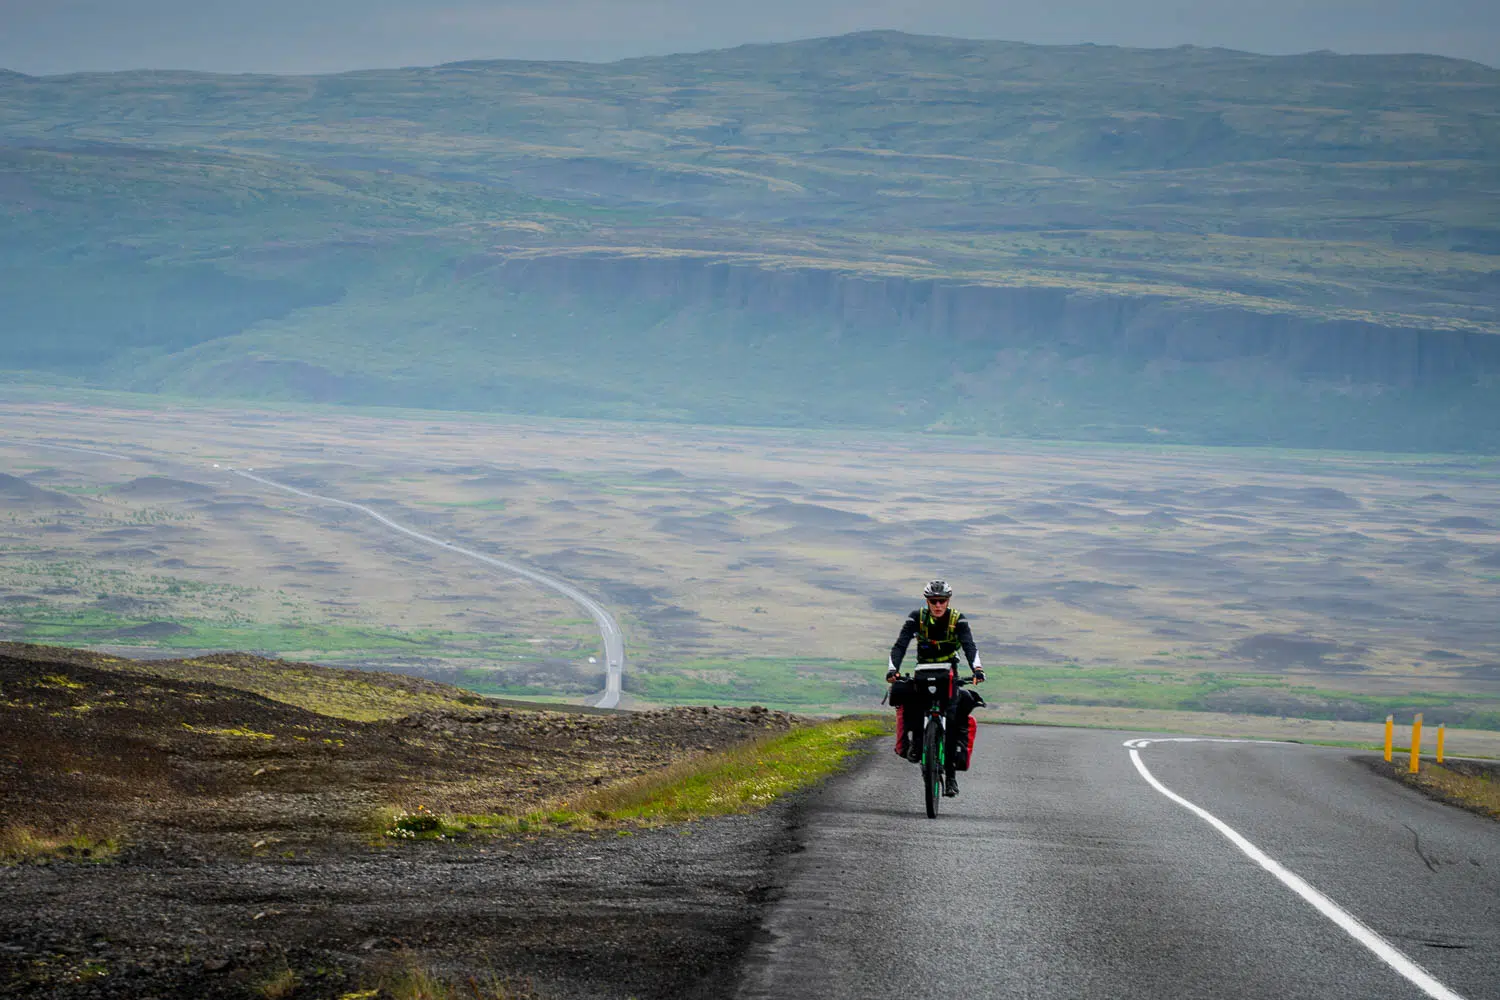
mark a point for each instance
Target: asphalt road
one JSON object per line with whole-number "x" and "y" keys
{"x": 609, "y": 629}
{"x": 1060, "y": 872}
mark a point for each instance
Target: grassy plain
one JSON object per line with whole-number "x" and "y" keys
{"x": 764, "y": 566}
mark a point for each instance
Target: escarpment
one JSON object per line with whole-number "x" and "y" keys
{"x": 995, "y": 316}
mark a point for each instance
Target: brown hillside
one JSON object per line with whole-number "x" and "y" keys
{"x": 106, "y": 744}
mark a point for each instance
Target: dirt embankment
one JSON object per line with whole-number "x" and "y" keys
{"x": 1469, "y": 784}
{"x": 250, "y": 844}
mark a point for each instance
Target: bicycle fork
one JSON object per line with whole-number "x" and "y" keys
{"x": 936, "y": 718}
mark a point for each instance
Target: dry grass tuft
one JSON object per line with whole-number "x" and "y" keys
{"x": 415, "y": 981}
{"x": 280, "y": 984}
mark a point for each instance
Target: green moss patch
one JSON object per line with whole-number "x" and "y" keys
{"x": 20, "y": 844}
{"x": 741, "y": 779}
{"x": 813, "y": 684}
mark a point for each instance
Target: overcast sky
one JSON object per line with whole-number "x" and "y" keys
{"x": 295, "y": 36}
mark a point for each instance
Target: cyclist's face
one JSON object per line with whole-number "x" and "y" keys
{"x": 938, "y": 605}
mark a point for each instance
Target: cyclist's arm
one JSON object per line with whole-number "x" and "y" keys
{"x": 966, "y": 640}
{"x": 898, "y": 650}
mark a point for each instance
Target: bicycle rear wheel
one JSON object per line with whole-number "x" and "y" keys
{"x": 932, "y": 767}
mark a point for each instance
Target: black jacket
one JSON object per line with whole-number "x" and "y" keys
{"x": 926, "y": 650}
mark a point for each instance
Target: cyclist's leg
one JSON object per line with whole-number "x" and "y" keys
{"x": 950, "y": 735}
{"x": 950, "y": 780}
{"x": 950, "y": 719}
{"x": 950, "y": 745}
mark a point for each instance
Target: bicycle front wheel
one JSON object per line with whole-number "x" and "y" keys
{"x": 932, "y": 768}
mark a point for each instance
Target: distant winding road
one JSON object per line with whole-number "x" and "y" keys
{"x": 609, "y": 629}
{"x": 1079, "y": 864}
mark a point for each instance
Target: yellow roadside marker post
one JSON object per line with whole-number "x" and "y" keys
{"x": 1390, "y": 730}
{"x": 1440, "y": 744}
{"x": 1416, "y": 743}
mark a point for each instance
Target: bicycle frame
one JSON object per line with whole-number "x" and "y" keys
{"x": 935, "y": 730}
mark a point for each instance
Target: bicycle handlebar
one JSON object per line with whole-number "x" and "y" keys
{"x": 960, "y": 680}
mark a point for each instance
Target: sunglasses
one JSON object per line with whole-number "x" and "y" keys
{"x": 937, "y": 600}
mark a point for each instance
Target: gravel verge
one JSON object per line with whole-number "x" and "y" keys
{"x": 248, "y": 848}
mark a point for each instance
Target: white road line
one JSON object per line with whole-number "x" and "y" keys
{"x": 1347, "y": 921}
{"x": 609, "y": 629}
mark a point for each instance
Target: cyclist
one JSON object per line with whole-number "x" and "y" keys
{"x": 940, "y": 632}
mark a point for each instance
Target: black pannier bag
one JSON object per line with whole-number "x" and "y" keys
{"x": 900, "y": 693}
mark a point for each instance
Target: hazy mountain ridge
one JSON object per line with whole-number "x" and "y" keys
{"x": 802, "y": 113}
{"x": 1335, "y": 192}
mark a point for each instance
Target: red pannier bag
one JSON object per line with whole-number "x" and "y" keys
{"x": 963, "y": 746}
{"x": 963, "y": 741}
{"x": 899, "y": 695}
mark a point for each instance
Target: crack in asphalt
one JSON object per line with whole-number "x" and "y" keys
{"x": 1416, "y": 845}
